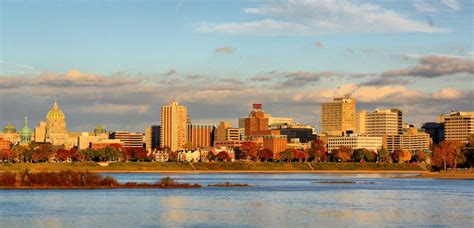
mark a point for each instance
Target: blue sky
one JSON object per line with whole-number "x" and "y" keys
{"x": 230, "y": 43}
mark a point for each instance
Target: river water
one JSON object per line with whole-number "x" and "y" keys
{"x": 274, "y": 200}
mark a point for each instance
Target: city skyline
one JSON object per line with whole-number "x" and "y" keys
{"x": 133, "y": 58}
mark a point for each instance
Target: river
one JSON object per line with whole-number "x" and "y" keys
{"x": 274, "y": 200}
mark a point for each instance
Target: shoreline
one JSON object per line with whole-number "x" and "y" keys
{"x": 257, "y": 171}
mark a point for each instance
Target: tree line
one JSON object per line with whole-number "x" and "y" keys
{"x": 447, "y": 154}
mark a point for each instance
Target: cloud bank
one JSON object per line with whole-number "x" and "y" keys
{"x": 300, "y": 17}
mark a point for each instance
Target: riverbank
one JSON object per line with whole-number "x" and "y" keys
{"x": 454, "y": 175}
{"x": 276, "y": 167}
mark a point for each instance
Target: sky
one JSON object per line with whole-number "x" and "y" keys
{"x": 117, "y": 62}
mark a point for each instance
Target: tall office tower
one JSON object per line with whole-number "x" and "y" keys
{"x": 338, "y": 116}
{"x": 174, "y": 118}
{"x": 360, "y": 122}
{"x": 256, "y": 123}
{"x": 152, "y": 137}
{"x": 435, "y": 130}
{"x": 382, "y": 122}
{"x": 129, "y": 139}
{"x": 458, "y": 126}
{"x": 201, "y": 135}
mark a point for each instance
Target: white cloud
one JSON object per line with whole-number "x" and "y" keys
{"x": 452, "y": 4}
{"x": 447, "y": 93}
{"x": 305, "y": 17}
{"x": 262, "y": 27}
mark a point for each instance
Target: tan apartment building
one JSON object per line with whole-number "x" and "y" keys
{"x": 173, "y": 132}
{"x": 412, "y": 140}
{"x": 338, "y": 116}
{"x": 380, "y": 122}
{"x": 458, "y": 126}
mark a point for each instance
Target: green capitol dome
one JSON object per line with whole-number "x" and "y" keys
{"x": 25, "y": 133}
{"x": 9, "y": 128}
{"x": 99, "y": 129}
{"x": 55, "y": 112}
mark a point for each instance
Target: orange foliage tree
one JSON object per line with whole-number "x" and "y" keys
{"x": 223, "y": 156}
{"x": 420, "y": 156}
{"x": 249, "y": 150}
{"x": 265, "y": 154}
{"x": 320, "y": 151}
{"x": 300, "y": 155}
{"x": 343, "y": 154}
{"x": 287, "y": 155}
{"x": 447, "y": 154}
{"x": 401, "y": 156}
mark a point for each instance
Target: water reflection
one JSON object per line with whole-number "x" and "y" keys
{"x": 288, "y": 200}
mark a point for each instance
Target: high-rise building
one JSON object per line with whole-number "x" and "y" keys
{"x": 174, "y": 119}
{"x": 360, "y": 122}
{"x": 279, "y": 122}
{"x": 338, "y": 117}
{"x": 225, "y": 132}
{"x": 458, "y": 126}
{"x": 257, "y": 130}
{"x": 275, "y": 143}
{"x": 129, "y": 139}
{"x": 380, "y": 122}
{"x": 201, "y": 135}
{"x": 304, "y": 134}
{"x": 40, "y": 132}
{"x": 56, "y": 131}
{"x": 152, "y": 137}
{"x": 435, "y": 130}
{"x": 411, "y": 139}
{"x": 256, "y": 123}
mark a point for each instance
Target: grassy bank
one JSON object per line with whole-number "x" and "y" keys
{"x": 211, "y": 166}
{"x": 77, "y": 180}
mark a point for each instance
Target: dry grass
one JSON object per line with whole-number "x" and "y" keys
{"x": 77, "y": 180}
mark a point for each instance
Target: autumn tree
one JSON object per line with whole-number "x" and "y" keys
{"x": 383, "y": 155}
{"x": 447, "y": 154}
{"x": 320, "y": 151}
{"x": 264, "y": 154}
{"x": 42, "y": 152}
{"x": 173, "y": 156}
{"x": 4, "y": 155}
{"x": 188, "y": 146}
{"x": 343, "y": 154}
{"x": 287, "y": 155}
{"x": 468, "y": 151}
{"x": 300, "y": 155}
{"x": 249, "y": 150}
{"x": 420, "y": 156}
{"x": 222, "y": 156}
{"x": 401, "y": 156}
{"x": 363, "y": 154}
{"x": 135, "y": 153}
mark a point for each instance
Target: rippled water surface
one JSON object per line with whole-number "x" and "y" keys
{"x": 278, "y": 200}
